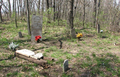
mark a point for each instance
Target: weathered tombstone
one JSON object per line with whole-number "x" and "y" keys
{"x": 65, "y": 65}
{"x": 20, "y": 34}
{"x": 36, "y": 28}
{"x": 73, "y": 33}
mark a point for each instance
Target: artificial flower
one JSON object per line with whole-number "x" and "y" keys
{"x": 79, "y": 35}
{"x": 37, "y": 37}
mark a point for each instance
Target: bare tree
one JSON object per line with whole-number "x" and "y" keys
{"x": 54, "y": 10}
{"x": 95, "y": 12}
{"x": 9, "y": 9}
{"x": 98, "y": 20}
{"x": 13, "y": 5}
{"x": 15, "y": 15}
{"x": 1, "y": 1}
{"x": 39, "y": 6}
{"x": 18, "y": 5}
{"x": 47, "y": 4}
{"x": 43, "y": 6}
{"x": 28, "y": 18}
{"x": 70, "y": 18}
{"x": 84, "y": 14}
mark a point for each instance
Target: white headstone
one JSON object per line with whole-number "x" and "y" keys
{"x": 65, "y": 65}
{"x": 36, "y": 28}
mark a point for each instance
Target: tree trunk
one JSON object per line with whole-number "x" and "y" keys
{"x": 47, "y": 1}
{"x": 95, "y": 12}
{"x": 98, "y": 19}
{"x": 25, "y": 7}
{"x": 15, "y": 15}
{"x": 54, "y": 10}
{"x": 13, "y": 5}
{"x": 28, "y": 19}
{"x": 18, "y": 7}
{"x": 42, "y": 7}
{"x": 38, "y": 6}
{"x": 70, "y": 18}
{"x": 9, "y": 9}
{"x": 1, "y": 12}
{"x": 84, "y": 15}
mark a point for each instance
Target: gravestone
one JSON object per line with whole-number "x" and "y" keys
{"x": 73, "y": 33}
{"x": 65, "y": 66}
{"x": 36, "y": 28}
{"x": 20, "y": 34}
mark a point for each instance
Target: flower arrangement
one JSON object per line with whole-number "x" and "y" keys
{"x": 79, "y": 35}
{"x": 37, "y": 38}
{"x": 13, "y": 46}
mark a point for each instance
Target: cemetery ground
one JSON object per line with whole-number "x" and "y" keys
{"x": 94, "y": 55}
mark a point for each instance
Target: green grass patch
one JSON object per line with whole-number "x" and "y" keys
{"x": 51, "y": 49}
{"x": 12, "y": 74}
{"x": 60, "y": 61}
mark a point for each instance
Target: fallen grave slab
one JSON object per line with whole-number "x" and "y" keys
{"x": 40, "y": 62}
{"x": 25, "y": 52}
{"x": 37, "y": 56}
{"x": 32, "y": 57}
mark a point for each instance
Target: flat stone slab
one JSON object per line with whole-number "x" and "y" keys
{"x": 25, "y": 52}
{"x": 37, "y": 56}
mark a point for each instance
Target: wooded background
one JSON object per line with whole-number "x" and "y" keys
{"x": 80, "y": 13}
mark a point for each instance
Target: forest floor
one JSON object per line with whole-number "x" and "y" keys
{"x": 95, "y": 55}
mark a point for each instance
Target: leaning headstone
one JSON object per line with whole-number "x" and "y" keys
{"x": 65, "y": 66}
{"x": 36, "y": 28}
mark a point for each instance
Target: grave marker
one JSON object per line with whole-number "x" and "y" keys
{"x": 65, "y": 65}
{"x": 36, "y": 28}
{"x": 20, "y": 34}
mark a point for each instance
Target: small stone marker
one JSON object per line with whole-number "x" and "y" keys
{"x": 65, "y": 65}
{"x": 36, "y": 28}
{"x": 20, "y": 34}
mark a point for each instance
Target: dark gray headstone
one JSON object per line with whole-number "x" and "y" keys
{"x": 36, "y": 28}
{"x": 20, "y": 34}
{"x": 65, "y": 65}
